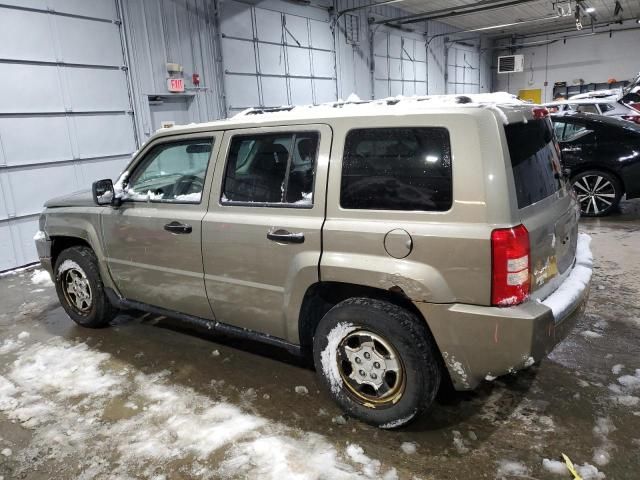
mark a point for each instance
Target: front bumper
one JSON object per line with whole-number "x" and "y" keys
{"x": 43, "y": 247}
{"x": 485, "y": 342}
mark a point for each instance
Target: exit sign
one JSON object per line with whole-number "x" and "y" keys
{"x": 175, "y": 85}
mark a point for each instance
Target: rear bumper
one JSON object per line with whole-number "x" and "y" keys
{"x": 485, "y": 342}
{"x": 43, "y": 247}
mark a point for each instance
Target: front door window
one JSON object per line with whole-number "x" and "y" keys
{"x": 171, "y": 172}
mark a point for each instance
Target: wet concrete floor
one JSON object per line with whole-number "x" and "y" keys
{"x": 581, "y": 401}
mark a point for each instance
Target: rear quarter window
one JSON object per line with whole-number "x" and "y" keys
{"x": 397, "y": 169}
{"x": 534, "y": 160}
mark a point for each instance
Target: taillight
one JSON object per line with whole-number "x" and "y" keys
{"x": 510, "y": 259}
{"x": 632, "y": 118}
{"x": 540, "y": 112}
{"x": 635, "y": 106}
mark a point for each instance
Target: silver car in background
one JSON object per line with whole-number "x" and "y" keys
{"x": 621, "y": 103}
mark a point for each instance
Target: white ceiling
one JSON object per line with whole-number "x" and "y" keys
{"x": 534, "y": 9}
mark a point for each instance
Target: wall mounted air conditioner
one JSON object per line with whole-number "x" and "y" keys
{"x": 511, "y": 63}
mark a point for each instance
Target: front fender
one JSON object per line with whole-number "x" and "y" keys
{"x": 83, "y": 225}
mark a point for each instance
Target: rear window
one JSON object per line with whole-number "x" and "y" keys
{"x": 535, "y": 161}
{"x": 397, "y": 169}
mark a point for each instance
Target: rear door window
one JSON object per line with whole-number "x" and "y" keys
{"x": 397, "y": 169}
{"x": 589, "y": 108}
{"x": 271, "y": 169}
{"x": 535, "y": 160}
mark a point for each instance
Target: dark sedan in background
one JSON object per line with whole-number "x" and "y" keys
{"x": 603, "y": 157}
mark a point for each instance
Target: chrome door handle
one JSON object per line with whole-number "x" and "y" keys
{"x": 284, "y": 236}
{"x": 177, "y": 227}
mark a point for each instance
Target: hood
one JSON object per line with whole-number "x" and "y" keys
{"x": 83, "y": 198}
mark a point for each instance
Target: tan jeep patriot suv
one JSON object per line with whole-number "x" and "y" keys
{"x": 399, "y": 241}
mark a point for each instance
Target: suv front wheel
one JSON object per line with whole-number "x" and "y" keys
{"x": 80, "y": 288}
{"x": 377, "y": 360}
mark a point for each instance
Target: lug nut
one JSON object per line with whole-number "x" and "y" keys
{"x": 374, "y": 376}
{"x": 376, "y": 365}
{"x": 362, "y": 374}
{"x": 358, "y": 360}
{"x": 367, "y": 355}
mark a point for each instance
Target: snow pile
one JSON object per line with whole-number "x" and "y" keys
{"x": 510, "y": 468}
{"x": 41, "y": 277}
{"x": 189, "y": 197}
{"x": 64, "y": 393}
{"x": 589, "y": 472}
{"x": 409, "y": 447}
{"x": 625, "y": 388}
{"x": 556, "y": 467}
{"x": 370, "y": 467}
{"x": 602, "y": 454}
{"x": 458, "y": 443}
{"x": 564, "y": 298}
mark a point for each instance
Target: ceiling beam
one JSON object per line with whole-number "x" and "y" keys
{"x": 481, "y": 6}
{"x": 371, "y": 5}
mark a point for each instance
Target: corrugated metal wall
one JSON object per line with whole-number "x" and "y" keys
{"x": 173, "y": 31}
{"x": 65, "y": 115}
{"x": 274, "y": 57}
{"x": 353, "y": 61}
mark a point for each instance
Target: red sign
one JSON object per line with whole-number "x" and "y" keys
{"x": 175, "y": 85}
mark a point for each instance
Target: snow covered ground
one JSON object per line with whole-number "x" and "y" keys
{"x": 62, "y": 391}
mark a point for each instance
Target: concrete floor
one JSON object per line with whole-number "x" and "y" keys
{"x": 581, "y": 401}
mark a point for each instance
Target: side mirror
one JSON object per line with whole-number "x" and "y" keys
{"x": 103, "y": 192}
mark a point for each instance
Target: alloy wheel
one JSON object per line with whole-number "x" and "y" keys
{"x": 596, "y": 193}
{"x": 77, "y": 290}
{"x": 371, "y": 369}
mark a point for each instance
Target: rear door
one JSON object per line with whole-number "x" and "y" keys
{"x": 577, "y": 141}
{"x": 262, "y": 233}
{"x": 546, "y": 204}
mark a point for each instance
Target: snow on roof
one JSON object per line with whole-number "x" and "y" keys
{"x": 353, "y": 105}
{"x": 500, "y": 102}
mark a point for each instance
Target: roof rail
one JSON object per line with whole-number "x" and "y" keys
{"x": 261, "y": 110}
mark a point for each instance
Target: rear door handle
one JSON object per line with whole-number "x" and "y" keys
{"x": 177, "y": 227}
{"x": 284, "y": 236}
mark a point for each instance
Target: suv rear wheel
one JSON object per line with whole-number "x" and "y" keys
{"x": 377, "y": 360}
{"x": 598, "y": 192}
{"x": 80, "y": 289}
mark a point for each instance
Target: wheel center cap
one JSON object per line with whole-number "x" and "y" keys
{"x": 368, "y": 366}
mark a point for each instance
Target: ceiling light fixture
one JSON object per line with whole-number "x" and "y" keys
{"x": 590, "y": 10}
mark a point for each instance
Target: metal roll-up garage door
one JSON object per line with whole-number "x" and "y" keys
{"x": 65, "y": 112}
{"x": 400, "y": 64}
{"x": 463, "y": 68}
{"x": 273, "y": 58}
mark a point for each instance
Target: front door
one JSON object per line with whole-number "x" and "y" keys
{"x": 153, "y": 240}
{"x": 262, "y": 233}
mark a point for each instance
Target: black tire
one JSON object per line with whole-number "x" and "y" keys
{"x": 408, "y": 338}
{"x": 598, "y": 192}
{"x": 94, "y": 311}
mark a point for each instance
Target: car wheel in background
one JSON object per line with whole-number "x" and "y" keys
{"x": 378, "y": 361}
{"x": 80, "y": 288}
{"x": 598, "y": 192}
